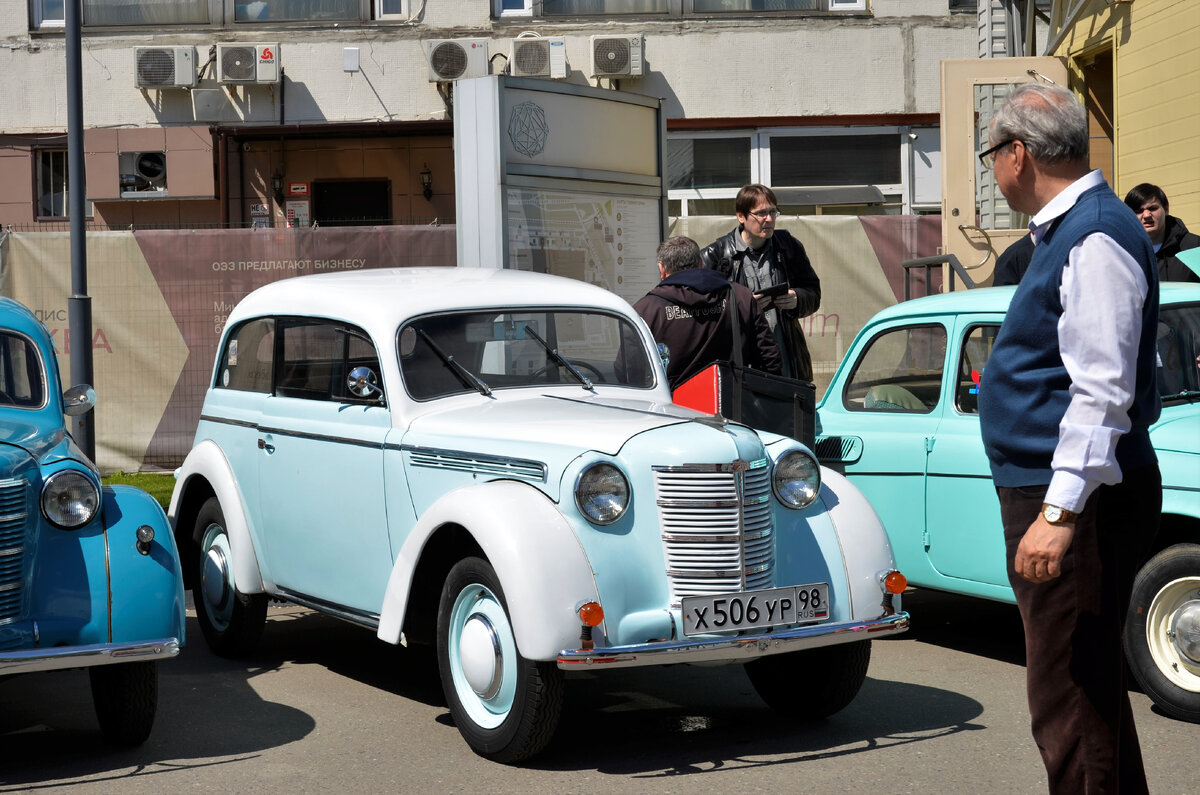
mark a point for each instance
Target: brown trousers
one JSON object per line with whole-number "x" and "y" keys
{"x": 1075, "y": 670}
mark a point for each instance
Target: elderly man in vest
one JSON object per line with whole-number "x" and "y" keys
{"x": 1065, "y": 406}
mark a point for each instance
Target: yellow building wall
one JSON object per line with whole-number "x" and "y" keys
{"x": 1156, "y": 94}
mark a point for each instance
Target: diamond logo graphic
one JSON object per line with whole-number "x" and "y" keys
{"x": 527, "y": 129}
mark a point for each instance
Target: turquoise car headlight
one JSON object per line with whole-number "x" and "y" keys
{"x": 602, "y": 493}
{"x": 797, "y": 479}
{"x": 70, "y": 499}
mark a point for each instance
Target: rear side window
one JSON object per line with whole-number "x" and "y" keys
{"x": 900, "y": 370}
{"x": 22, "y": 380}
{"x": 246, "y": 360}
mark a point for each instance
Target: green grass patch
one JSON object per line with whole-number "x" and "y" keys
{"x": 158, "y": 484}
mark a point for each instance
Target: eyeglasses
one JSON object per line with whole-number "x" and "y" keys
{"x": 988, "y": 156}
{"x": 763, "y": 215}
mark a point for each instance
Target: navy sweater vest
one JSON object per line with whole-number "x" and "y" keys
{"x": 1024, "y": 392}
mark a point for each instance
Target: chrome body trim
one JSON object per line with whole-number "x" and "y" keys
{"x": 63, "y": 657}
{"x": 734, "y": 648}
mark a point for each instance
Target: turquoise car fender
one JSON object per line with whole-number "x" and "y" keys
{"x": 866, "y": 553}
{"x": 147, "y": 590}
{"x": 208, "y": 462}
{"x": 540, "y": 562}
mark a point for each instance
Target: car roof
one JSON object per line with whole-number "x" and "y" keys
{"x": 17, "y": 316}
{"x": 383, "y": 297}
{"x": 996, "y": 299}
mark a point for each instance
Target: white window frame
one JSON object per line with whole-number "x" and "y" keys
{"x": 501, "y": 12}
{"x": 403, "y": 15}
{"x": 40, "y": 22}
{"x": 847, "y": 5}
{"x": 64, "y": 183}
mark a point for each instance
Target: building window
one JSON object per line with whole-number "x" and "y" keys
{"x": 145, "y": 12}
{"x": 53, "y": 187}
{"x": 296, "y": 11}
{"x": 391, "y": 9}
{"x": 708, "y": 162}
{"x": 824, "y": 160}
{"x": 594, "y": 8}
{"x": 48, "y": 14}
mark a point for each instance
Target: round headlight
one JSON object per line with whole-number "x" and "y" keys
{"x": 797, "y": 479}
{"x": 70, "y": 499}
{"x": 602, "y": 493}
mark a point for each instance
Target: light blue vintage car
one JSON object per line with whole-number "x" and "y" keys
{"x": 89, "y": 574}
{"x": 899, "y": 419}
{"x": 489, "y": 461}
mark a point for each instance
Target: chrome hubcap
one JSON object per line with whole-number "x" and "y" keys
{"x": 480, "y": 654}
{"x": 1185, "y": 630}
{"x": 215, "y": 576}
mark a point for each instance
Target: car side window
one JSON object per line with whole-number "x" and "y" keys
{"x": 316, "y": 357}
{"x": 899, "y": 371}
{"x": 246, "y": 360}
{"x": 972, "y": 359}
{"x": 22, "y": 382}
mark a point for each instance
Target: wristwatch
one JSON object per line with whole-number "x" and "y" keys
{"x": 1055, "y": 515}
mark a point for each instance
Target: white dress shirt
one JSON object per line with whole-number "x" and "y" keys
{"x": 1102, "y": 292}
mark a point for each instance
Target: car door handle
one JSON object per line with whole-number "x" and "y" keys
{"x": 262, "y": 445}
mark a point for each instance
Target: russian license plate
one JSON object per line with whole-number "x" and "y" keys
{"x": 733, "y": 612}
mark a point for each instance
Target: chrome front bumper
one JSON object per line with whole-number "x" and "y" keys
{"x": 733, "y": 648}
{"x": 61, "y": 657}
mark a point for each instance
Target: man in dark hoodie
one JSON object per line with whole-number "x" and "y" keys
{"x": 689, "y": 312}
{"x": 1167, "y": 233}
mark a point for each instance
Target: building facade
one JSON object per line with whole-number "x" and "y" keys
{"x": 271, "y": 113}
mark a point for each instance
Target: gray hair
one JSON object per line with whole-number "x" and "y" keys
{"x": 679, "y": 254}
{"x": 1047, "y": 119}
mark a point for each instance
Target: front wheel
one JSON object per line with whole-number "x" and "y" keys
{"x": 126, "y": 698}
{"x": 505, "y": 706}
{"x": 232, "y": 622}
{"x": 1162, "y": 631}
{"x": 811, "y": 684}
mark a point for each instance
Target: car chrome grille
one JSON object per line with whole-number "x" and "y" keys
{"x": 13, "y": 516}
{"x": 717, "y": 527}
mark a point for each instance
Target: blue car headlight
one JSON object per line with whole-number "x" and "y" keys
{"x": 602, "y": 493}
{"x": 797, "y": 479}
{"x": 70, "y": 499}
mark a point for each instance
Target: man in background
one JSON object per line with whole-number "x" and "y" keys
{"x": 692, "y": 312}
{"x": 1167, "y": 233}
{"x": 1065, "y": 408}
{"x": 775, "y": 267}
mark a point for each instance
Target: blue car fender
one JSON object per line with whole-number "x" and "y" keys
{"x": 866, "y": 553}
{"x": 146, "y": 589}
{"x": 208, "y": 462}
{"x": 535, "y": 553}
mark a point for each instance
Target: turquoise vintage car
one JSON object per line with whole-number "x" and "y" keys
{"x": 899, "y": 419}
{"x": 89, "y": 574}
{"x": 489, "y": 461}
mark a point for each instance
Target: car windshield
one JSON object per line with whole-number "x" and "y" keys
{"x": 481, "y": 351}
{"x": 1179, "y": 352}
{"x": 22, "y": 380}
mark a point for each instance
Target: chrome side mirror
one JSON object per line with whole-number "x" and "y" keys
{"x": 362, "y": 383}
{"x": 78, "y": 400}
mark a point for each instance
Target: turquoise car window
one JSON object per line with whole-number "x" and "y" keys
{"x": 520, "y": 349}
{"x": 972, "y": 359}
{"x": 22, "y": 379}
{"x": 1178, "y": 343}
{"x": 246, "y": 360}
{"x": 315, "y": 357}
{"x": 899, "y": 371}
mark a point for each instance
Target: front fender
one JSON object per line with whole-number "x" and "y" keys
{"x": 207, "y": 462}
{"x": 541, "y": 564}
{"x": 147, "y": 590}
{"x": 866, "y": 552}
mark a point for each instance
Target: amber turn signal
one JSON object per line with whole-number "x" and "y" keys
{"x": 895, "y": 582}
{"x": 591, "y": 614}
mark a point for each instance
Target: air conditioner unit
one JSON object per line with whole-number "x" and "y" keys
{"x": 450, "y": 59}
{"x": 247, "y": 64}
{"x": 164, "y": 67}
{"x": 617, "y": 56}
{"x": 538, "y": 57}
{"x": 142, "y": 174}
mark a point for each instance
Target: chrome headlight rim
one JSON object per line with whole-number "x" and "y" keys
{"x": 590, "y": 485}
{"x": 70, "y": 499}
{"x": 796, "y": 479}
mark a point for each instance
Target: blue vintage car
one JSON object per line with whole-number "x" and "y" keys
{"x": 89, "y": 574}
{"x": 490, "y": 462}
{"x": 899, "y": 419}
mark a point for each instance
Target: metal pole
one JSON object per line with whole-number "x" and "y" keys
{"x": 79, "y": 305}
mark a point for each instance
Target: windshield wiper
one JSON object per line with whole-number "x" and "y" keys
{"x": 560, "y": 359}
{"x": 466, "y": 376}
